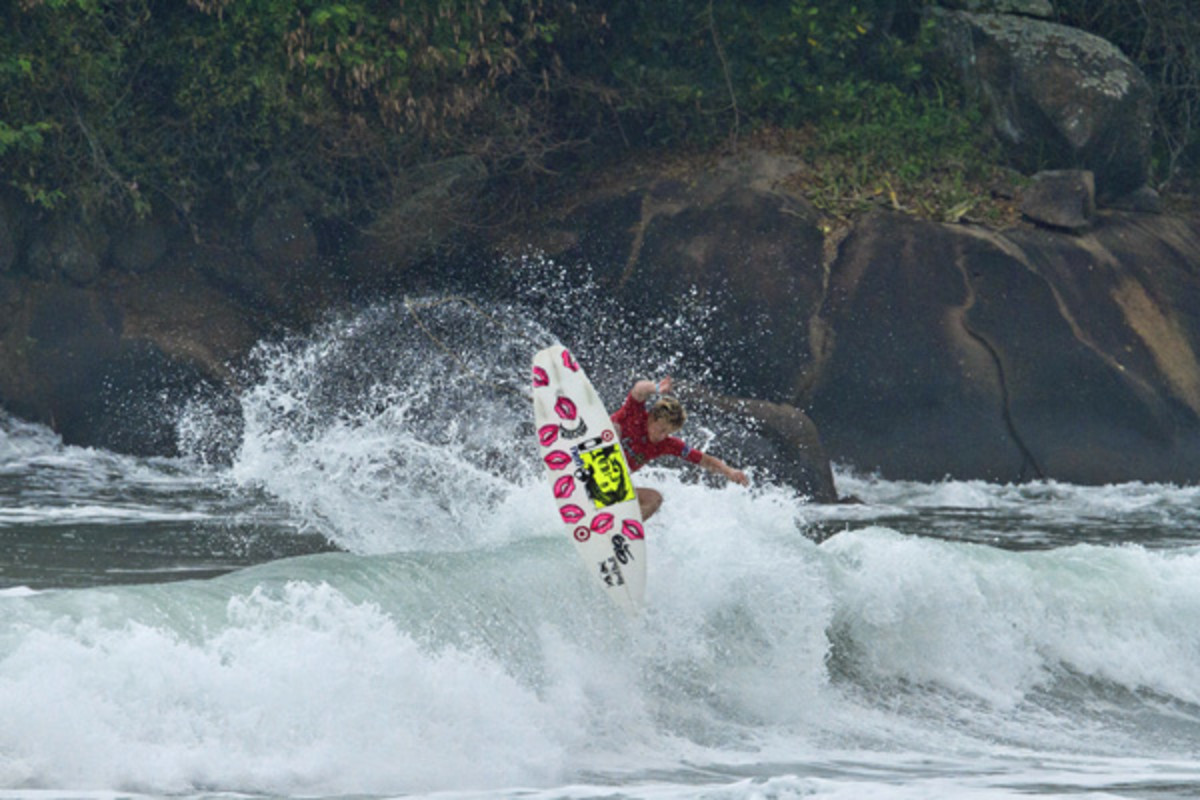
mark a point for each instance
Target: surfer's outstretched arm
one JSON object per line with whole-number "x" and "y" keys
{"x": 714, "y": 464}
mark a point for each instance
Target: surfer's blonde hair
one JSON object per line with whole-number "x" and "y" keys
{"x": 670, "y": 411}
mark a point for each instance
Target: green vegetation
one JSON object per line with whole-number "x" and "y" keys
{"x": 125, "y": 108}
{"x": 910, "y": 152}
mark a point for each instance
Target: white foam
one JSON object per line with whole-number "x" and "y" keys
{"x": 458, "y": 646}
{"x": 94, "y": 514}
{"x": 298, "y": 690}
{"x": 997, "y": 624}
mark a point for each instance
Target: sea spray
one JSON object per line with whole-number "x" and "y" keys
{"x": 956, "y": 639}
{"x": 875, "y": 658}
{"x": 379, "y": 437}
{"x": 282, "y": 687}
{"x": 1012, "y": 635}
{"x": 404, "y": 425}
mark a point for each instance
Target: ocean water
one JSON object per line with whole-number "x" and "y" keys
{"x": 370, "y": 596}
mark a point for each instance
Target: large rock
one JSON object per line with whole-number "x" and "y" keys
{"x": 68, "y": 248}
{"x": 8, "y": 236}
{"x": 920, "y": 350}
{"x": 1061, "y": 199}
{"x": 59, "y": 351}
{"x": 908, "y": 388}
{"x": 1115, "y": 394}
{"x": 282, "y": 239}
{"x": 725, "y": 237}
{"x": 1059, "y": 97}
{"x": 112, "y": 365}
{"x": 776, "y": 440}
{"x": 734, "y": 262}
{"x": 972, "y": 354}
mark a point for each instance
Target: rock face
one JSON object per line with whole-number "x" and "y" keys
{"x": 784, "y": 442}
{"x": 8, "y": 237}
{"x": 1031, "y": 354}
{"x": 726, "y": 233}
{"x": 1063, "y": 199}
{"x": 918, "y": 349}
{"x": 1065, "y": 348}
{"x": 1059, "y": 97}
{"x": 110, "y": 365}
{"x": 1030, "y": 8}
{"x": 923, "y": 349}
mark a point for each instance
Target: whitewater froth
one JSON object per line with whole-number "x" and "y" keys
{"x": 942, "y": 639}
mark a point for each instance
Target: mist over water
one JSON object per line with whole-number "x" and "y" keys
{"x": 375, "y": 597}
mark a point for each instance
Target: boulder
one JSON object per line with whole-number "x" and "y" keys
{"x": 1043, "y": 9}
{"x": 1059, "y": 97}
{"x": 140, "y": 247}
{"x": 757, "y": 259}
{"x": 282, "y": 239}
{"x": 726, "y": 251}
{"x": 1063, "y": 199}
{"x": 56, "y": 350}
{"x": 906, "y": 387}
{"x": 67, "y": 247}
{"x": 8, "y": 237}
{"x": 1099, "y": 356}
{"x": 113, "y": 364}
{"x": 970, "y": 353}
{"x": 777, "y": 439}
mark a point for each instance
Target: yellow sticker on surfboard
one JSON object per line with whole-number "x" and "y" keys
{"x": 607, "y": 478}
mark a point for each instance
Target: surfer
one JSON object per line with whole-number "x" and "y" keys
{"x": 648, "y": 434}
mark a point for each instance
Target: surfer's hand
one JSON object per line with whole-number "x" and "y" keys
{"x": 664, "y": 385}
{"x": 737, "y": 476}
{"x": 642, "y": 390}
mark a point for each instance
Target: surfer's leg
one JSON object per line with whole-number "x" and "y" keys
{"x": 648, "y": 500}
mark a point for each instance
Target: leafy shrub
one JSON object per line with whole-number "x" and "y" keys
{"x": 122, "y": 106}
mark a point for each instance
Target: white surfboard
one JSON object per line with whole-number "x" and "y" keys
{"x": 589, "y": 477}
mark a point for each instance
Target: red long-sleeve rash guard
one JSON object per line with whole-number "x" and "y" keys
{"x": 635, "y": 439}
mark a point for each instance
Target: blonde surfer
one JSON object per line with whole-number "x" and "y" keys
{"x": 649, "y": 433}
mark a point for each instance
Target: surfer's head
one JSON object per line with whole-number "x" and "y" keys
{"x": 669, "y": 412}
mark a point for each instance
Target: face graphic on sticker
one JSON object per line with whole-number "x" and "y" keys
{"x": 606, "y": 477}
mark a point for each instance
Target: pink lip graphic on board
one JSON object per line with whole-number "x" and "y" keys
{"x": 565, "y": 408}
{"x": 569, "y": 361}
{"x": 564, "y": 486}
{"x": 603, "y": 523}
{"x": 557, "y": 460}
{"x": 572, "y": 513}
{"x": 540, "y": 378}
{"x": 633, "y": 529}
{"x": 548, "y": 435}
